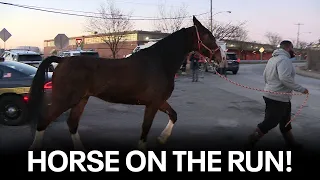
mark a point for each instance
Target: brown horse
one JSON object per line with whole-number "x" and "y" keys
{"x": 145, "y": 78}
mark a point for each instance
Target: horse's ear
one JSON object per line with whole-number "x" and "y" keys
{"x": 197, "y": 23}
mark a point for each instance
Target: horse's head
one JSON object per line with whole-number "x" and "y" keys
{"x": 206, "y": 42}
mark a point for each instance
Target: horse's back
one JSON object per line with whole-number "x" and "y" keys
{"x": 128, "y": 81}
{"x": 116, "y": 73}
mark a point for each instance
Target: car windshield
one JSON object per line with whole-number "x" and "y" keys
{"x": 29, "y": 57}
{"x": 93, "y": 54}
{"x": 232, "y": 56}
{"x": 23, "y": 68}
{"x": 136, "y": 49}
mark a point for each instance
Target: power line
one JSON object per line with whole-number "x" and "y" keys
{"x": 139, "y": 3}
{"x": 90, "y": 16}
{"x": 70, "y": 10}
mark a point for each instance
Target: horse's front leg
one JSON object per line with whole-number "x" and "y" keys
{"x": 166, "y": 133}
{"x": 149, "y": 114}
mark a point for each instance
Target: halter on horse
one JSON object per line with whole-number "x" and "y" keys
{"x": 145, "y": 78}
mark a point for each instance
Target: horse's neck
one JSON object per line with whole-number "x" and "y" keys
{"x": 173, "y": 50}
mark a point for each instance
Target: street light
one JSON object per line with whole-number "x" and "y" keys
{"x": 216, "y": 14}
{"x": 221, "y": 12}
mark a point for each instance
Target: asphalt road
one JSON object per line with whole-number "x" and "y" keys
{"x": 211, "y": 113}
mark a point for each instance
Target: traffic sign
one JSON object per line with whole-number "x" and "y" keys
{"x": 5, "y": 35}
{"x": 261, "y": 50}
{"x": 61, "y": 41}
{"x": 78, "y": 42}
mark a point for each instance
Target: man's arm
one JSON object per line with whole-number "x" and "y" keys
{"x": 264, "y": 76}
{"x": 285, "y": 70}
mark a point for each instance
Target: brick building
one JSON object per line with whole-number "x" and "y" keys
{"x": 244, "y": 50}
{"x": 95, "y": 42}
{"x": 250, "y": 50}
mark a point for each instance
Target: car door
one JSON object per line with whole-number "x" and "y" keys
{"x": 13, "y": 79}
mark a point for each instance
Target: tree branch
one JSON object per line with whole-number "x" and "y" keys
{"x": 113, "y": 26}
{"x": 175, "y": 22}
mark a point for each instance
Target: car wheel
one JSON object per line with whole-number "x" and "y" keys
{"x": 234, "y": 72}
{"x": 13, "y": 110}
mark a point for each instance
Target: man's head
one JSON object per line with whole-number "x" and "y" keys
{"x": 287, "y": 46}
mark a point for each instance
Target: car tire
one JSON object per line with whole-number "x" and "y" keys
{"x": 234, "y": 72}
{"x": 19, "y": 109}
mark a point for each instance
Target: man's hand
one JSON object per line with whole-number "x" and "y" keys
{"x": 306, "y": 91}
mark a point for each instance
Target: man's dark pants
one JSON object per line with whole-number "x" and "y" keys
{"x": 195, "y": 72}
{"x": 223, "y": 71}
{"x": 276, "y": 112}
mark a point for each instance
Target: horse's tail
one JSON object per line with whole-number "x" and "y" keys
{"x": 36, "y": 92}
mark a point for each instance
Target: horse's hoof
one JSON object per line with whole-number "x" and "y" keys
{"x": 162, "y": 140}
{"x": 142, "y": 147}
{"x": 35, "y": 148}
{"x": 82, "y": 149}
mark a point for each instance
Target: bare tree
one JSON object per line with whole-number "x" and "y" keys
{"x": 112, "y": 26}
{"x": 240, "y": 34}
{"x": 170, "y": 20}
{"x": 303, "y": 45}
{"x": 273, "y": 38}
{"x": 228, "y": 30}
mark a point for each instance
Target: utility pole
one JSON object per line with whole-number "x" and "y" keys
{"x": 298, "y": 34}
{"x": 211, "y": 16}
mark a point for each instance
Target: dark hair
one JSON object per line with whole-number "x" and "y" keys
{"x": 285, "y": 44}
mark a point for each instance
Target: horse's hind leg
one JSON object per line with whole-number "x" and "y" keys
{"x": 73, "y": 123}
{"x": 166, "y": 133}
{"x": 149, "y": 114}
{"x": 53, "y": 112}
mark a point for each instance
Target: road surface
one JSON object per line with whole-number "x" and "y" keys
{"x": 211, "y": 113}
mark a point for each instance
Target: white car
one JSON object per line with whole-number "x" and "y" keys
{"x": 138, "y": 48}
{"x": 78, "y": 53}
{"x": 24, "y": 56}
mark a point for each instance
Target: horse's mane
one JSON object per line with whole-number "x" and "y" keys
{"x": 167, "y": 42}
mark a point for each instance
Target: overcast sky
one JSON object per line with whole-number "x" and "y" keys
{"x": 31, "y": 28}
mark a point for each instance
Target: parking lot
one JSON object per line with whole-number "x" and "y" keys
{"x": 212, "y": 113}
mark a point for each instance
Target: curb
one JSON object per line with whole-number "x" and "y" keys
{"x": 307, "y": 73}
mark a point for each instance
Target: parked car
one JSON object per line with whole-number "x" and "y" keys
{"x": 15, "y": 81}
{"x": 24, "y": 56}
{"x": 79, "y": 53}
{"x": 143, "y": 46}
{"x": 233, "y": 62}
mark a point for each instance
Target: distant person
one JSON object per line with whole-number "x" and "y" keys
{"x": 223, "y": 65}
{"x": 184, "y": 66}
{"x": 194, "y": 63}
{"x": 279, "y": 77}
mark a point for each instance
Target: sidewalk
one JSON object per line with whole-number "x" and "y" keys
{"x": 302, "y": 72}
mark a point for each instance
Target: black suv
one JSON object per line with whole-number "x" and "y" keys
{"x": 233, "y": 62}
